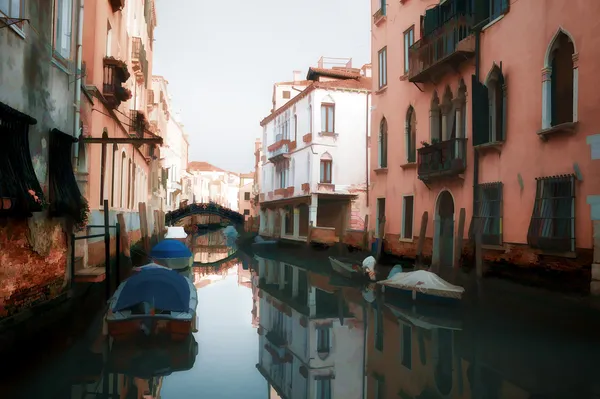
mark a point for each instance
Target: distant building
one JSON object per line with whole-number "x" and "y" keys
{"x": 246, "y": 195}
{"x": 213, "y": 184}
{"x": 315, "y": 156}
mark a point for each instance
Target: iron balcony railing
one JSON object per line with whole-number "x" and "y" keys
{"x": 115, "y": 74}
{"x": 439, "y": 47}
{"x": 138, "y": 55}
{"x": 445, "y": 158}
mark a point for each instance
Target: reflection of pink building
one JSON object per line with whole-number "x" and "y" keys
{"x": 509, "y": 118}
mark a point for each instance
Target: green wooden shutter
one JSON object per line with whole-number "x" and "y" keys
{"x": 383, "y": 6}
{"x": 503, "y": 121}
{"x": 505, "y": 6}
{"x": 431, "y": 21}
{"x": 481, "y": 11}
{"x": 480, "y": 111}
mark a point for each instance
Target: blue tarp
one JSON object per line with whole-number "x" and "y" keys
{"x": 170, "y": 249}
{"x": 163, "y": 288}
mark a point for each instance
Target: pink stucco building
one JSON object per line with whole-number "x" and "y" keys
{"x": 486, "y": 106}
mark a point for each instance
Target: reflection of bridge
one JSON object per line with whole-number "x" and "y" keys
{"x": 210, "y": 208}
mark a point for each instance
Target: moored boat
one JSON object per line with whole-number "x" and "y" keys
{"x": 422, "y": 285}
{"x": 173, "y": 254}
{"x": 154, "y": 301}
{"x": 351, "y": 269}
{"x": 176, "y": 233}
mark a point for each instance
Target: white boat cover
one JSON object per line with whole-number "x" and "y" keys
{"x": 424, "y": 282}
{"x": 175, "y": 232}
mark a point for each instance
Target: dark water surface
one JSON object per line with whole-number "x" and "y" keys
{"x": 282, "y": 324}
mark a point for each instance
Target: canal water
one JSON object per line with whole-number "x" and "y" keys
{"x": 281, "y": 324}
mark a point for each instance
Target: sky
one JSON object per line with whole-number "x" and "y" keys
{"x": 221, "y": 59}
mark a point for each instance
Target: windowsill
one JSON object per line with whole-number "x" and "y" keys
{"x": 380, "y": 20}
{"x": 495, "y": 145}
{"x": 381, "y": 90}
{"x": 58, "y": 64}
{"x": 563, "y": 128}
{"x": 493, "y": 247}
{"x": 328, "y": 134}
{"x": 401, "y": 239}
{"x": 492, "y": 22}
{"x": 409, "y": 165}
{"x": 381, "y": 171}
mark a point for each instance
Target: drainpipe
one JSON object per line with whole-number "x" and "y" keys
{"x": 77, "y": 104}
{"x": 475, "y": 152}
{"x": 367, "y": 146}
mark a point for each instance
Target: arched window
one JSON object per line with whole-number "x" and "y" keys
{"x": 411, "y": 135}
{"x": 383, "y": 143}
{"x": 448, "y": 130}
{"x": 560, "y": 82}
{"x": 326, "y": 175}
{"x": 435, "y": 119}
{"x": 496, "y": 105}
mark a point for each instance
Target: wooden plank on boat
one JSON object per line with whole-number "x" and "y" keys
{"x": 90, "y": 275}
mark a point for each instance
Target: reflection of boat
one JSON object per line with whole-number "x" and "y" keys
{"x": 349, "y": 269}
{"x": 155, "y": 301}
{"x": 173, "y": 254}
{"x": 152, "y": 357}
{"x": 423, "y": 285}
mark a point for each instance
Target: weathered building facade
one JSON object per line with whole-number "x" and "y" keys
{"x": 40, "y": 202}
{"x": 314, "y": 163}
{"x": 466, "y": 122}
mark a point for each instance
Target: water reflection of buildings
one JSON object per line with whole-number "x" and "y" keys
{"x": 212, "y": 247}
{"x": 310, "y": 346}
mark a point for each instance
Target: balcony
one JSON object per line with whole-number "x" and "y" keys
{"x": 443, "y": 159}
{"x": 279, "y": 150}
{"x": 137, "y": 123}
{"x": 115, "y": 74}
{"x": 117, "y": 4}
{"x": 441, "y": 51}
{"x": 379, "y": 16}
{"x": 139, "y": 60}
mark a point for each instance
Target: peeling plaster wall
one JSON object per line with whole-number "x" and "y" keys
{"x": 33, "y": 252}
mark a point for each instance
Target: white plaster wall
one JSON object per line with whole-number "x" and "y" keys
{"x": 348, "y": 149}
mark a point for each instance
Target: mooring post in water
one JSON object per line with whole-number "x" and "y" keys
{"x": 107, "y": 248}
{"x": 459, "y": 239}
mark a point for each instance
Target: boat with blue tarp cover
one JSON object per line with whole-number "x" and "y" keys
{"x": 172, "y": 253}
{"x": 154, "y": 301}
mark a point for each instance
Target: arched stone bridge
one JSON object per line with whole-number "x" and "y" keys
{"x": 210, "y": 208}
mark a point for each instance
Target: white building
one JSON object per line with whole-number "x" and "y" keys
{"x": 245, "y": 199}
{"x": 309, "y": 348}
{"x": 213, "y": 184}
{"x": 315, "y": 162}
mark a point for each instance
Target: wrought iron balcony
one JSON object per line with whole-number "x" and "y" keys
{"x": 279, "y": 149}
{"x": 443, "y": 159}
{"x": 139, "y": 60}
{"x": 137, "y": 123}
{"x": 115, "y": 74}
{"x": 442, "y": 50}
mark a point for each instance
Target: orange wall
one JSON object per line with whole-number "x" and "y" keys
{"x": 519, "y": 41}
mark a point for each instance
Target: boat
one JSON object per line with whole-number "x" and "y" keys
{"x": 350, "y": 268}
{"x": 422, "y": 285}
{"x": 173, "y": 254}
{"x": 176, "y": 233}
{"x": 154, "y": 301}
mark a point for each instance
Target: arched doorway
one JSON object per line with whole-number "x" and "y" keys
{"x": 444, "y": 229}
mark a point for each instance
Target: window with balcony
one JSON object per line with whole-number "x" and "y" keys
{"x": 327, "y": 118}
{"x": 326, "y": 169}
{"x": 552, "y": 225}
{"x": 408, "y": 211}
{"x": 435, "y": 119}
{"x": 383, "y": 143}
{"x": 12, "y": 9}
{"x": 63, "y": 22}
{"x": 409, "y": 40}
{"x": 487, "y": 213}
{"x": 411, "y": 135}
{"x": 559, "y": 83}
{"x": 382, "y": 64}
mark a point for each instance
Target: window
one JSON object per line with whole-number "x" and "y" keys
{"x": 246, "y": 212}
{"x": 323, "y": 339}
{"x": 247, "y": 196}
{"x": 411, "y": 135}
{"x": 327, "y": 118}
{"x": 123, "y": 179}
{"x": 489, "y": 109}
{"x": 12, "y": 9}
{"x": 382, "y": 6}
{"x": 406, "y": 346}
{"x": 383, "y": 143}
{"x": 552, "y": 225}
{"x": 63, "y": 18}
{"x": 282, "y": 178}
{"x": 498, "y": 8}
{"x": 380, "y": 215}
{"x": 408, "y": 209}
{"x": 295, "y": 127}
{"x": 286, "y": 94}
{"x": 382, "y": 56}
{"x": 561, "y": 80}
{"x": 323, "y": 386}
{"x": 409, "y": 40}
{"x": 379, "y": 387}
{"x": 487, "y": 213}
{"x": 109, "y": 43}
{"x": 326, "y": 165}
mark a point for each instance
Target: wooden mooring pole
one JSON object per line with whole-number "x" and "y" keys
{"x": 107, "y": 248}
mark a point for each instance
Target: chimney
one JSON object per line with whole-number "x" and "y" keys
{"x": 297, "y": 76}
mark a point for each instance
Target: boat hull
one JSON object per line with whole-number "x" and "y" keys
{"x": 128, "y": 329}
{"x": 417, "y": 296}
{"x": 348, "y": 273}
